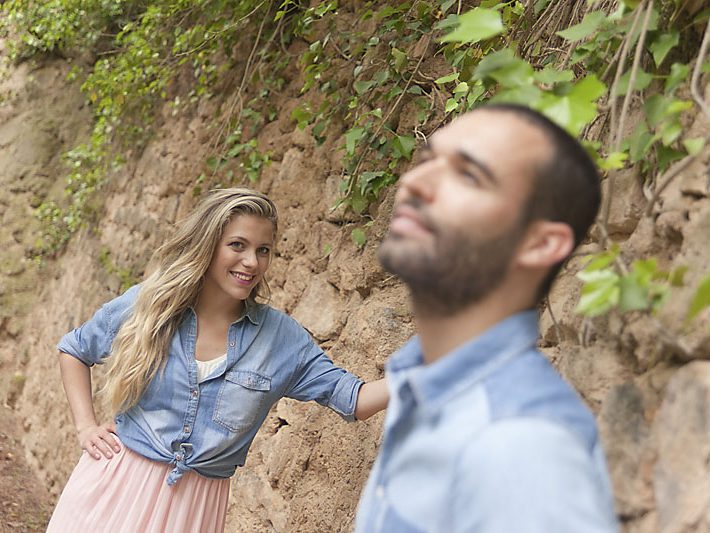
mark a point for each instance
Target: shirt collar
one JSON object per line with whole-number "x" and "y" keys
{"x": 253, "y": 311}
{"x": 433, "y": 384}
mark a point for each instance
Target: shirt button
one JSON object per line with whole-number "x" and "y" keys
{"x": 178, "y": 457}
{"x": 195, "y": 394}
{"x": 186, "y": 429}
{"x": 380, "y": 492}
{"x": 232, "y": 344}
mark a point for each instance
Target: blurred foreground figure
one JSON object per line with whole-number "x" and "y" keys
{"x": 482, "y": 434}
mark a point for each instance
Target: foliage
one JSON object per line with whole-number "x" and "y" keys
{"x": 643, "y": 288}
{"x": 125, "y": 275}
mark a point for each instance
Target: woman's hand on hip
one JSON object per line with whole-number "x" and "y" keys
{"x": 99, "y": 439}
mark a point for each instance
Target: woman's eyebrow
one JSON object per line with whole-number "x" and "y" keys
{"x": 241, "y": 238}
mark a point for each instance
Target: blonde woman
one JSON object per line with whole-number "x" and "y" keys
{"x": 195, "y": 365}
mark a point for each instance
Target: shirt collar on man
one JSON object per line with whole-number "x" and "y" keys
{"x": 432, "y": 385}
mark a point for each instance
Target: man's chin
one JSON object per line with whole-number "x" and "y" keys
{"x": 402, "y": 258}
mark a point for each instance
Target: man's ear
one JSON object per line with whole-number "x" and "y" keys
{"x": 545, "y": 244}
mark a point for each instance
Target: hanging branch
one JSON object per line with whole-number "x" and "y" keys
{"x": 673, "y": 172}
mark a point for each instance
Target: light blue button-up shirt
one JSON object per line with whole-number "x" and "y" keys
{"x": 488, "y": 439}
{"x": 208, "y": 427}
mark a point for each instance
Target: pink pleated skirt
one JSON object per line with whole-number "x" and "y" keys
{"x": 128, "y": 494}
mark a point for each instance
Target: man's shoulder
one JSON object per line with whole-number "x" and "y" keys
{"x": 529, "y": 387}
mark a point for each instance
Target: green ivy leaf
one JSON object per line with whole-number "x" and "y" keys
{"x": 600, "y": 292}
{"x": 633, "y": 296}
{"x": 590, "y": 23}
{"x": 404, "y": 145}
{"x": 670, "y": 132}
{"x": 602, "y": 260}
{"x": 451, "y": 104}
{"x": 400, "y": 59}
{"x": 643, "y": 80}
{"x": 515, "y": 74}
{"x": 614, "y": 161}
{"x": 351, "y": 139}
{"x": 363, "y": 86}
{"x": 694, "y": 145}
{"x": 679, "y": 73}
{"x": 494, "y": 62}
{"x": 476, "y": 25}
{"x": 662, "y": 45}
{"x": 576, "y": 109}
{"x": 302, "y": 116}
{"x": 667, "y": 155}
{"x": 448, "y": 78}
{"x": 550, "y": 75}
{"x": 640, "y": 143}
{"x": 701, "y": 299}
{"x": 358, "y": 236}
{"x": 677, "y": 276}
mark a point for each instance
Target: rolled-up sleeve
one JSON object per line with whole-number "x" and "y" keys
{"x": 318, "y": 378}
{"x": 91, "y": 342}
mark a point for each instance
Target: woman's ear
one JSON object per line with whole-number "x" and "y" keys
{"x": 545, "y": 244}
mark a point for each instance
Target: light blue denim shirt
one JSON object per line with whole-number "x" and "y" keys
{"x": 208, "y": 427}
{"x": 488, "y": 439}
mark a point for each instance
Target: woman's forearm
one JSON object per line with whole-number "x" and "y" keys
{"x": 94, "y": 438}
{"x": 76, "y": 378}
{"x": 372, "y": 398}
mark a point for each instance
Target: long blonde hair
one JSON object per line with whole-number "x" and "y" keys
{"x": 141, "y": 344}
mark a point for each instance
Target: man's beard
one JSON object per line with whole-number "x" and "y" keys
{"x": 460, "y": 268}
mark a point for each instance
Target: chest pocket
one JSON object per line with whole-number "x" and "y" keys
{"x": 243, "y": 400}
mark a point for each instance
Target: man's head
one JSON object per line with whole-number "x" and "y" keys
{"x": 500, "y": 198}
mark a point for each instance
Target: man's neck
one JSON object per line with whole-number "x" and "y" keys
{"x": 439, "y": 334}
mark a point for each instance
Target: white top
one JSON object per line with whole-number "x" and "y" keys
{"x": 205, "y": 368}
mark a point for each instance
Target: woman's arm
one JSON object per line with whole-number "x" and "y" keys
{"x": 372, "y": 398}
{"x": 94, "y": 438}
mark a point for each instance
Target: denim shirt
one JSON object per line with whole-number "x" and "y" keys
{"x": 487, "y": 439}
{"x": 208, "y": 427}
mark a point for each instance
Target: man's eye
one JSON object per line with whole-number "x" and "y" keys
{"x": 470, "y": 174}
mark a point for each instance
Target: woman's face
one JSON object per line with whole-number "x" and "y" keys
{"x": 241, "y": 258}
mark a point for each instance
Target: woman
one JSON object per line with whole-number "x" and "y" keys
{"x": 196, "y": 363}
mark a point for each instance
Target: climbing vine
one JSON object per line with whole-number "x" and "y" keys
{"x": 367, "y": 79}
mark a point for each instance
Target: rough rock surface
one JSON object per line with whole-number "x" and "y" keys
{"x": 307, "y": 467}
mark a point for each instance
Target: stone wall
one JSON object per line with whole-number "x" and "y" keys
{"x": 307, "y": 467}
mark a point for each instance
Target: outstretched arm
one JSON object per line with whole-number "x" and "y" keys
{"x": 372, "y": 398}
{"x": 94, "y": 438}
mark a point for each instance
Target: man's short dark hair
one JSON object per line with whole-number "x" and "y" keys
{"x": 566, "y": 187}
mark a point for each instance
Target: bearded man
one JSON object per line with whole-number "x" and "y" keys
{"x": 481, "y": 433}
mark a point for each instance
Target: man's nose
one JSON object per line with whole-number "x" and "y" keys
{"x": 420, "y": 181}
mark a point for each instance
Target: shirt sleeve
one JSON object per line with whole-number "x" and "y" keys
{"x": 91, "y": 342}
{"x": 318, "y": 378}
{"x": 535, "y": 476}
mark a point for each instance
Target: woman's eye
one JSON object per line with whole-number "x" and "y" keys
{"x": 236, "y": 245}
{"x": 264, "y": 250}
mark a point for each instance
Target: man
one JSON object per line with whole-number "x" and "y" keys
{"x": 481, "y": 433}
